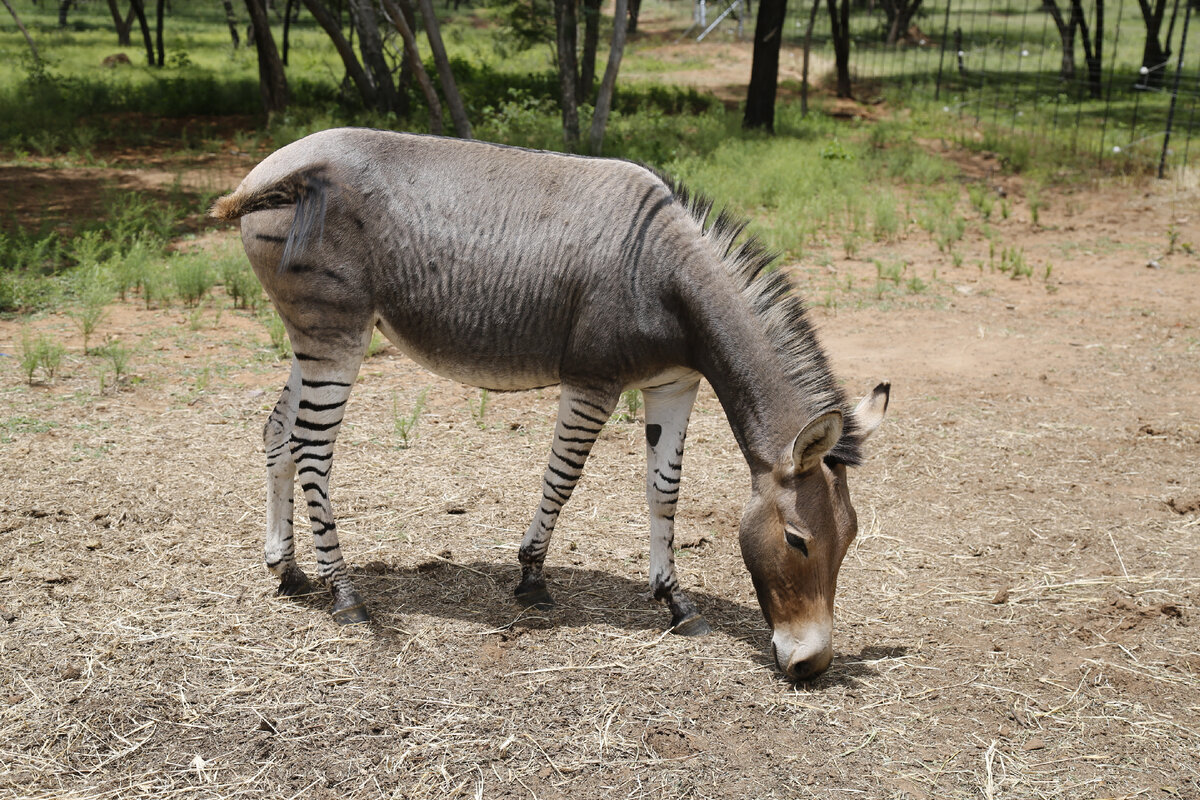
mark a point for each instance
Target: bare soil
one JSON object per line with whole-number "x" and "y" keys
{"x": 1017, "y": 618}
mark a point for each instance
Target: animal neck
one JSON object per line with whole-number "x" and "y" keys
{"x": 735, "y": 353}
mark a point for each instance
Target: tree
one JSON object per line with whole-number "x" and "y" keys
{"x": 139, "y": 10}
{"x": 20, "y": 26}
{"x": 565, "y": 26}
{"x": 272, "y": 81}
{"x": 400, "y": 19}
{"x": 123, "y": 24}
{"x": 458, "y": 112}
{"x": 764, "y": 66}
{"x": 370, "y": 45}
{"x": 1154, "y": 54}
{"x": 333, "y": 30}
{"x": 899, "y": 15}
{"x": 604, "y": 97}
{"x": 839, "y": 20}
{"x": 158, "y": 32}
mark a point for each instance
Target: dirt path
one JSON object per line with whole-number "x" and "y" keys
{"x": 1018, "y": 617}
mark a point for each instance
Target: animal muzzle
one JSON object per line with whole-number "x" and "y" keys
{"x": 803, "y": 651}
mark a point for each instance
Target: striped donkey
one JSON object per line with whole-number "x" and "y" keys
{"x": 511, "y": 269}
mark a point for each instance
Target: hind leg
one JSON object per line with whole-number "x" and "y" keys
{"x": 327, "y": 374}
{"x": 279, "y": 551}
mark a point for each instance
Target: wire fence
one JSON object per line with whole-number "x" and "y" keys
{"x": 1123, "y": 95}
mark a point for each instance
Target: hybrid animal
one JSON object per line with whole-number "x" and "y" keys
{"x": 511, "y": 269}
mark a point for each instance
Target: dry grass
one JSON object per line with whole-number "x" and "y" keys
{"x": 1017, "y": 618}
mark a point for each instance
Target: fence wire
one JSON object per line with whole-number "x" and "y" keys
{"x": 1126, "y": 97}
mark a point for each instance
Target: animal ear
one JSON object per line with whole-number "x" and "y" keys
{"x": 816, "y": 439}
{"x": 868, "y": 414}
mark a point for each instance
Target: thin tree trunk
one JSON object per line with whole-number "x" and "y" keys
{"x": 158, "y": 32}
{"x": 21, "y": 27}
{"x": 591, "y": 38}
{"x": 231, "y": 21}
{"x": 122, "y": 24}
{"x": 272, "y": 80}
{"x": 764, "y": 66}
{"x": 839, "y": 18}
{"x": 609, "y": 83}
{"x": 399, "y": 18}
{"x": 812, "y": 21}
{"x": 1066, "y": 33}
{"x": 333, "y": 29}
{"x": 635, "y": 8}
{"x": 458, "y": 112}
{"x": 565, "y": 28}
{"x": 63, "y": 8}
{"x": 140, "y": 11}
{"x": 1154, "y": 57}
{"x": 288, "y": 10}
{"x": 370, "y": 46}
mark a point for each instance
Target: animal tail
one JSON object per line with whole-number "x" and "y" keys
{"x": 307, "y": 189}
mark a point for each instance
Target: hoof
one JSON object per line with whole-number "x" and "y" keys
{"x": 350, "y": 609}
{"x": 535, "y": 597}
{"x": 695, "y": 625}
{"x": 295, "y": 583}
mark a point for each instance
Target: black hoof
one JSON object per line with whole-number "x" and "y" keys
{"x": 695, "y": 625}
{"x": 350, "y": 609}
{"x": 535, "y": 597}
{"x": 294, "y": 583}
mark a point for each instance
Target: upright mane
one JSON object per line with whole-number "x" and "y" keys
{"x": 779, "y": 309}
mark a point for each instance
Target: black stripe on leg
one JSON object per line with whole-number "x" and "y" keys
{"x": 315, "y": 426}
{"x": 323, "y": 384}
{"x": 307, "y": 406}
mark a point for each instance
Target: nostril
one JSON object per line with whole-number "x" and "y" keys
{"x": 808, "y": 668}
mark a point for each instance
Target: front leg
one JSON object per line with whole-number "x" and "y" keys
{"x": 582, "y": 413}
{"x": 668, "y": 409}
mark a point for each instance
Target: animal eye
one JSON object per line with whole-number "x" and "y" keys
{"x": 795, "y": 539}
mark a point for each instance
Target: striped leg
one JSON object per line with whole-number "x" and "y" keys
{"x": 280, "y": 551}
{"x": 667, "y": 411}
{"x": 324, "y": 389}
{"x": 581, "y": 415}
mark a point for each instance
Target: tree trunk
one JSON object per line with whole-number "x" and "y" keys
{"x": 231, "y": 21}
{"x": 568, "y": 75}
{"x": 272, "y": 81}
{"x": 140, "y": 11}
{"x": 1154, "y": 57}
{"x": 1066, "y": 33}
{"x": 608, "y": 85}
{"x": 839, "y": 19}
{"x": 399, "y": 17}
{"x": 764, "y": 66}
{"x": 370, "y": 46}
{"x": 812, "y": 21}
{"x": 899, "y": 17}
{"x": 591, "y": 38}
{"x": 122, "y": 24}
{"x": 158, "y": 32}
{"x": 1092, "y": 51}
{"x": 288, "y": 10}
{"x": 63, "y": 8}
{"x": 20, "y": 26}
{"x": 333, "y": 29}
{"x": 458, "y": 112}
{"x": 635, "y": 8}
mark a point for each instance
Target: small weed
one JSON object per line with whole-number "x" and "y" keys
{"x": 117, "y": 354}
{"x": 1034, "y": 197}
{"x": 956, "y": 258}
{"x": 479, "y": 409}
{"x": 196, "y": 317}
{"x": 632, "y": 400}
{"x": 982, "y": 199}
{"x": 1012, "y": 261}
{"x": 405, "y": 425}
{"x": 241, "y": 284}
{"x": 192, "y": 278}
{"x": 1172, "y": 238}
{"x": 278, "y": 334}
{"x": 94, "y": 293}
{"x": 915, "y": 285}
{"x": 893, "y": 272}
{"x": 377, "y": 343}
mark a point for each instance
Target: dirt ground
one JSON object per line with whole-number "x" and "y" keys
{"x": 1016, "y": 619}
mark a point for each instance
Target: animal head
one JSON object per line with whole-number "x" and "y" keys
{"x": 794, "y": 533}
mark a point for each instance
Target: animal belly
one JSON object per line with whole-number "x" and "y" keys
{"x": 483, "y": 363}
